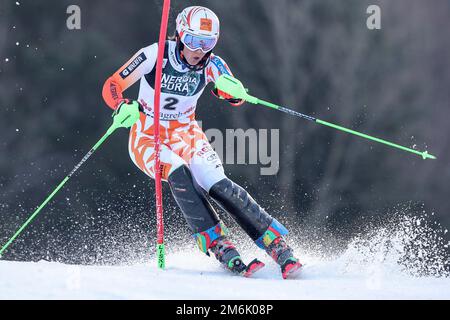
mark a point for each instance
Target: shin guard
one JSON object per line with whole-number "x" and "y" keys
{"x": 242, "y": 207}
{"x": 197, "y": 210}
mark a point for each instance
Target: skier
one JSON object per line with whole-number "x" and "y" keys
{"x": 188, "y": 162}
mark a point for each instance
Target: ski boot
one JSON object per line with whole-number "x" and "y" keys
{"x": 229, "y": 257}
{"x": 283, "y": 255}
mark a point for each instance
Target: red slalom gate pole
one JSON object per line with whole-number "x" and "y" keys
{"x": 161, "y": 252}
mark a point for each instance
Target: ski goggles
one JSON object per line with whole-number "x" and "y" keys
{"x": 194, "y": 43}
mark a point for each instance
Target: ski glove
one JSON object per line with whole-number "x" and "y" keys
{"x": 129, "y": 101}
{"x": 233, "y": 101}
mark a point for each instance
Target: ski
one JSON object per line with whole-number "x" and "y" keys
{"x": 239, "y": 268}
{"x": 253, "y": 267}
{"x": 291, "y": 269}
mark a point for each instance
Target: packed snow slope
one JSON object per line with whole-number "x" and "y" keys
{"x": 403, "y": 260}
{"x": 191, "y": 275}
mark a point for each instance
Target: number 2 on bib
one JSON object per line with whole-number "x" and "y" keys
{"x": 170, "y": 103}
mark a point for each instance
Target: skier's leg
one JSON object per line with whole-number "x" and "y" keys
{"x": 256, "y": 222}
{"x": 207, "y": 170}
{"x": 196, "y": 209}
{"x": 235, "y": 200}
{"x": 266, "y": 231}
{"x": 209, "y": 236}
{"x": 208, "y": 230}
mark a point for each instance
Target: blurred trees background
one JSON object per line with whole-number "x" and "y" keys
{"x": 314, "y": 56}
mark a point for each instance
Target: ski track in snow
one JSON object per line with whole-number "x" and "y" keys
{"x": 192, "y": 275}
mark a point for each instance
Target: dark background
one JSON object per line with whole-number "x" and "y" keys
{"x": 314, "y": 56}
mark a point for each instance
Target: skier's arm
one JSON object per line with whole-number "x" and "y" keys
{"x": 140, "y": 64}
{"x": 216, "y": 68}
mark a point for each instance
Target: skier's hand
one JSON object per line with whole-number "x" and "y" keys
{"x": 129, "y": 101}
{"x": 223, "y": 95}
{"x": 127, "y": 113}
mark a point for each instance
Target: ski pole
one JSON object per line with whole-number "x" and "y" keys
{"x": 234, "y": 87}
{"x": 128, "y": 114}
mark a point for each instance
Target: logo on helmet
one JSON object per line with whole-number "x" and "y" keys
{"x": 205, "y": 24}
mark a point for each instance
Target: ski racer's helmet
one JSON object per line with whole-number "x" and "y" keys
{"x": 197, "y": 28}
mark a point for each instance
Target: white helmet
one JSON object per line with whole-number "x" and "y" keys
{"x": 198, "y": 28}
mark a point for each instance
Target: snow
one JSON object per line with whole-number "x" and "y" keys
{"x": 404, "y": 259}
{"x": 192, "y": 275}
